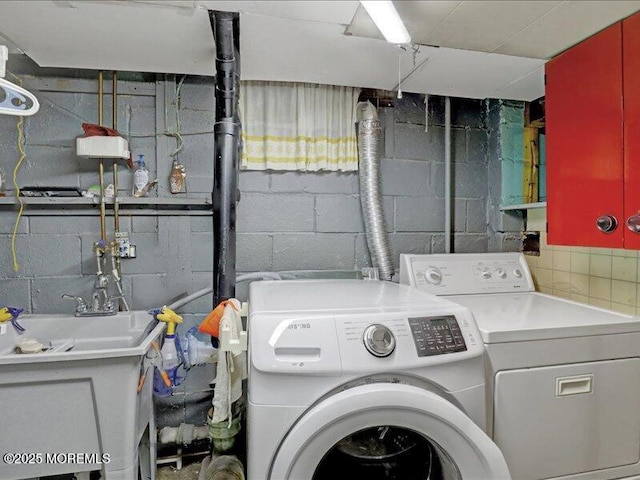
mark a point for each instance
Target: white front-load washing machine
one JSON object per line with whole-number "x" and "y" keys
{"x": 563, "y": 378}
{"x": 365, "y": 379}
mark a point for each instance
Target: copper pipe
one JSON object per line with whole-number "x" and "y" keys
{"x": 101, "y": 97}
{"x": 103, "y": 213}
{"x": 114, "y": 103}
{"x": 114, "y": 122}
{"x": 116, "y": 206}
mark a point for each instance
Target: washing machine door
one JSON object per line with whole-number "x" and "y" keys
{"x": 368, "y": 431}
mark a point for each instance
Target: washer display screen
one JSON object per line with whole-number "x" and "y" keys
{"x": 437, "y": 335}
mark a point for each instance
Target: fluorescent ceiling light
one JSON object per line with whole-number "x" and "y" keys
{"x": 386, "y": 18}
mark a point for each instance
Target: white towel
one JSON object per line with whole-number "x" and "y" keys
{"x": 232, "y": 367}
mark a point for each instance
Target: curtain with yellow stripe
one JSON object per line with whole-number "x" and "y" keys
{"x": 298, "y": 126}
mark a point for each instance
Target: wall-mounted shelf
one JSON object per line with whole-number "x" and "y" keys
{"x": 523, "y": 206}
{"x": 128, "y": 205}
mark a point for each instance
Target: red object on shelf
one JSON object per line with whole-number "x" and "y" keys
{"x": 585, "y": 141}
{"x": 631, "y": 72}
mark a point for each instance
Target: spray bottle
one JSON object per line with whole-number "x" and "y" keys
{"x": 11, "y": 314}
{"x": 140, "y": 178}
{"x": 169, "y": 352}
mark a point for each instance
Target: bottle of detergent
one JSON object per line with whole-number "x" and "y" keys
{"x": 140, "y": 178}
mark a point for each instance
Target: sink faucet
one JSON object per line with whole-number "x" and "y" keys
{"x": 101, "y": 302}
{"x": 81, "y": 306}
{"x": 102, "y": 305}
{"x": 100, "y": 294}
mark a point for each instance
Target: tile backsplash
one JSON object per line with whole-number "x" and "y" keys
{"x": 605, "y": 277}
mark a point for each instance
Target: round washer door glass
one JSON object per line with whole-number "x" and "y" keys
{"x": 417, "y": 422}
{"x": 385, "y": 453}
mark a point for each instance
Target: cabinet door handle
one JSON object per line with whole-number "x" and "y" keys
{"x": 633, "y": 223}
{"x": 607, "y": 223}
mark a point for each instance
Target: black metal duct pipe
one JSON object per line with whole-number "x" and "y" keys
{"x": 227, "y": 129}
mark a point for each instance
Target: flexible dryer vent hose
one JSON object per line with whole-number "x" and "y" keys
{"x": 369, "y": 132}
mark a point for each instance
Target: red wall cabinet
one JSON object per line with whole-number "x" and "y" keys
{"x": 631, "y": 70}
{"x": 584, "y": 126}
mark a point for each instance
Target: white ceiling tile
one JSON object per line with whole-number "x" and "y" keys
{"x": 305, "y": 41}
{"x": 420, "y": 18}
{"x": 319, "y": 53}
{"x": 317, "y": 11}
{"x": 177, "y": 4}
{"x": 484, "y": 25}
{"x": 423, "y": 18}
{"x": 528, "y": 88}
{"x": 566, "y": 25}
{"x": 111, "y": 36}
{"x": 362, "y": 26}
{"x": 464, "y": 73}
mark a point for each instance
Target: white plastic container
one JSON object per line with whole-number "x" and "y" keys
{"x": 102, "y": 147}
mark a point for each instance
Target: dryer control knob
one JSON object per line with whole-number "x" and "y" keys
{"x": 379, "y": 340}
{"x": 517, "y": 273}
{"x": 433, "y": 276}
{"x": 486, "y": 274}
{"x": 501, "y": 273}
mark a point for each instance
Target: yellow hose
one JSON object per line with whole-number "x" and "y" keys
{"x": 23, "y": 154}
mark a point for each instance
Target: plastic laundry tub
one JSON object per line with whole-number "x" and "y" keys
{"x": 75, "y": 406}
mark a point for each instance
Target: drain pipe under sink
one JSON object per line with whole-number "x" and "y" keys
{"x": 185, "y": 434}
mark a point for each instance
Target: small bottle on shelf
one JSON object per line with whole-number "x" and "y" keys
{"x": 3, "y": 182}
{"x": 140, "y": 178}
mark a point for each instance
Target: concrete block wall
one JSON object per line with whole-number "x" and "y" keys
{"x": 313, "y": 221}
{"x": 286, "y": 221}
{"x": 55, "y": 251}
{"x": 503, "y": 228}
{"x": 511, "y": 139}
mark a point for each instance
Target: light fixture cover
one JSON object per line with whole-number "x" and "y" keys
{"x": 386, "y": 18}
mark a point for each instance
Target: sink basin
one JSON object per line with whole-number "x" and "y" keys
{"x": 117, "y": 335}
{"x": 79, "y": 396}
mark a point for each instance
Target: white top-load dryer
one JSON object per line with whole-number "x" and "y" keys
{"x": 365, "y": 379}
{"x": 563, "y": 378}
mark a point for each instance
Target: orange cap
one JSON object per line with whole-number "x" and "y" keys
{"x": 211, "y": 324}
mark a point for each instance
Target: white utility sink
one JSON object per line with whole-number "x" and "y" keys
{"x": 79, "y": 396}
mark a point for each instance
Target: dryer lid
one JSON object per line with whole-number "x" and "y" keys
{"x": 518, "y": 317}
{"x": 470, "y": 450}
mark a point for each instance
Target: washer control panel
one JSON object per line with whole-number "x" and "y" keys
{"x": 419, "y": 336}
{"x": 466, "y": 273}
{"x": 437, "y": 335}
{"x": 336, "y": 327}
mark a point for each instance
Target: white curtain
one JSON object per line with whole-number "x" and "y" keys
{"x": 298, "y": 126}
